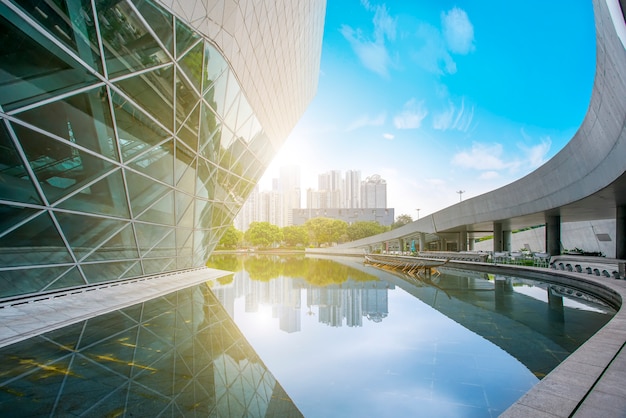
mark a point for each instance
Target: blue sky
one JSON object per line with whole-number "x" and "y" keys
{"x": 441, "y": 96}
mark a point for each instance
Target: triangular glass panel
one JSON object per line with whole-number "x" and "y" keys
{"x": 30, "y": 280}
{"x": 188, "y": 132}
{"x": 185, "y": 37}
{"x": 206, "y": 180}
{"x": 128, "y": 47}
{"x": 166, "y": 248}
{"x": 137, "y": 132}
{"x": 191, "y": 64}
{"x": 184, "y": 159}
{"x": 71, "y": 23}
{"x": 245, "y": 120}
{"x": 154, "y": 92}
{"x": 143, "y": 191}
{"x": 83, "y": 119}
{"x": 183, "y": 203}
{"x": 104, "y": 272}
{"x": 121, "y": 246}
{"x": 210, "y": 133}
{"x": 160, "y": 20}
{"x": 187, "y": 180}
{"x": 134, "y": 271}
{"x": 34, "y": 68}
{"x": 15, "y": 184}
{"x": 204, "y": 214}
{"x": 149, "y": 235}
{"x": 216, "y": 94}
{"x": 230, "y": 116}
{"x": 186, "y": 98}
{"x": 184, "y": 242}
{"x": 11, "y": 215}
{"x": 59, "y": 167}
{"x": 84, "y": 233}
{"x": 162, "y": 212}
{"x": 70, "y": 279}
{"x": 105, "y": 197}
{"x": 157, "y": 163}
{"x": 35, "y": 243}
{"x": 157, "y": 265}
{"x": 184, "y": 262}
{"x": 214, "y": 66}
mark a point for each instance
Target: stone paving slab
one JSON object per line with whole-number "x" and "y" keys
{"x": 22, "y": 321}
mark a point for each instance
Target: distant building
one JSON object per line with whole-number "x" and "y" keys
{"x": 352, "y": 189}
{"x": 374, "y": 192}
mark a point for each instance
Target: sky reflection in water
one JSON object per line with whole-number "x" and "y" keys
{"x": 420, "y": 358}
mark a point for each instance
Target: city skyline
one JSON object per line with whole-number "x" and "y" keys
{"x": 443, "y": 97}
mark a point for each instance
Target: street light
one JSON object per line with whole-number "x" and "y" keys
{"x": 460, "y": 192}
{"x": 418, "y": 214}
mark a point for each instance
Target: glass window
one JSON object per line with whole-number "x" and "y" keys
{"x": 185, "y": 37}
{"x": 59, "y": 167}
{"x": 35, "y": 243}
{"x": 33, "y": 68}
{"x": 121, "y": 246}
{"x": 128, "y": 45}
{"x": 83, "y": 119}
{"x": 71, "y": 22}
{"x": 161, "y": 212}
{"x": 157, "y": 163}
{"x": 161, "y": 22}
{"x": 15, "y": 184}
{"x": 153, "y": 91}
{"x": 31, "y": 280}
{"x": 191, "y": 64}
{"x": 143, "y": 191}
{"x": 136, "y": 131}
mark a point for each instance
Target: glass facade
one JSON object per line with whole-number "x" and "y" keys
{"x": 127, "y": 144}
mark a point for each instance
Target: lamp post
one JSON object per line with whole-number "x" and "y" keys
{"x": 460, "y": 192}
{"x": 418, "y": 214}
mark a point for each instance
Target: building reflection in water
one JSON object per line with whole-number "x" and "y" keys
{"x": 178, "y": 355}
{"x": 336, "y": 304}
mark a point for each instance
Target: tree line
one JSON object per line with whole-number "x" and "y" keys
{"x": 316, "y": 232}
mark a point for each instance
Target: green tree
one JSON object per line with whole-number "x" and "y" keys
{"x": 295, "y": 235}
{"x": 401, "y": 221}
{"x": 231, "y": 238}
{"x": 263, "y": 234}
{"x": 326, "y": 230}
{"x": 363, "y": 229}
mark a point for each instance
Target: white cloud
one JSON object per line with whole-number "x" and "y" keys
{"x": 366, "y": 120}
{"x": 433, "y": 55}
{"x": 450, "y": 118}
{"x": 373, "y": 53}
{"x": 388, "y": 136}
{"x": 489, "y": 175}
{"x": 536, "y": 155}
{"x": 455, "y": 37}
{"x": 458, "y": 31}
{"x": 481, "y": 157}
{"x": 411, "y": 116}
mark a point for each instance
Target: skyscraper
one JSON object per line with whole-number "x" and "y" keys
{"x": 374, "y": 192}
{"x": 131, "y": 132}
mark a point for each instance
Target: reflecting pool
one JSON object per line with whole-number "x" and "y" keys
{"x": 292, "y": 336}
{"x": 345, "y": 339}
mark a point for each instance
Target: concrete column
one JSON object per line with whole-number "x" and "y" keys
{"x": 497, "y": 236}
{"x": 553, "y": 235}
{"x": 507, "y": 236}
{"x": 470, "y": 245}
{"x": 463, "y": 241}
{"x": 422, "y": 241}
{"x": 620, "y": 233}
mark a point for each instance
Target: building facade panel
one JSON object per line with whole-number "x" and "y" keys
{"x": 128, "y": 139}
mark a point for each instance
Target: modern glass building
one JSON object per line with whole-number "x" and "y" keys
{"x": 132, "y": 131}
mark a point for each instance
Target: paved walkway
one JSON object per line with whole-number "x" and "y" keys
{"x": 21, "y": 321}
